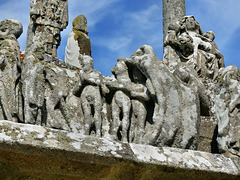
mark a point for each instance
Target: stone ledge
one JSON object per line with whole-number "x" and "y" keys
{"x": 29, "y": 151}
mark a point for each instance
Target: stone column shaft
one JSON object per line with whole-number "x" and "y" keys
{"x": 173, "y": 10}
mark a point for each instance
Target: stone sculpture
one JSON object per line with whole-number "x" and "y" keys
{"x": 47, "y": 19}
{"x": 147, "y": 101}
{"x": 33, "y": 88}
{"x": 78, "y": 42}
{"x": 170, "y": 119}
{"x": 10, "y": 30}
{"x": 121, "y": 103}
{"x": 227, "y": 104}
{"x": 142, "y": 91}
{"x": 185, "y": 42}
{"x": 93, "y": 88}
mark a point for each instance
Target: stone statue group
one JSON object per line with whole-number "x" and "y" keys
{"x": 146, "y": 101}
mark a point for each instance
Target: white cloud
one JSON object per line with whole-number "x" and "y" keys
{"x": 146, "y": 19}
{"x": 118, "y": 43}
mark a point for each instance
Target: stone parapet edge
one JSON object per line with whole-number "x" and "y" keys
{"x": 26, "y": 138}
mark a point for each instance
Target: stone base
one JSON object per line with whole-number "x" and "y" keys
{"x": 33, "y": 152}
{"x": 207, "y": 134}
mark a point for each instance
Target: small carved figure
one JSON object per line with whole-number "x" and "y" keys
{"x": 187, "y": 43}
{"x": 193, "y": 29}
{"x": 10, "y": 30}
{"x": 121, "y": 102}
{"x": 33, "y": 88}
{"x": 78, "y": 42}
{"x": 91, "y": 82}
{"x": 215, "y": 59}
{"x": 57, "y": 113}
{"x": 139, "y": 96}
{"x": 170, "y": 44}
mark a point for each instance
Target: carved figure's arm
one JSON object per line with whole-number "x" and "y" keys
{"x": 140, "y": 92}
{"x": 92, "y": 77}
{"x": 171, "y": 39}
{"x": 150, "y": 88}
{"x": 104, "y": 88}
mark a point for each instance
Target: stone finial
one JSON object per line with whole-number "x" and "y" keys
{"x": 47, "y": 20}
{"x": 11, "y": 26}
{"x": 80, "y": 24}
{"x": 78, "y": 42}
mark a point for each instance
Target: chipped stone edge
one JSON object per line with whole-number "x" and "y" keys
{"x": 45, "y": 138}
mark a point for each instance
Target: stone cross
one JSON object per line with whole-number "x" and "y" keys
{"x": 173, "y": 10}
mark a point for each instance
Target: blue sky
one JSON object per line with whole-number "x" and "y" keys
{"x": 119, "y": 27}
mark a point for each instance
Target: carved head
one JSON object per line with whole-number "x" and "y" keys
{"x": 87, "y": 63}
{"x": 174, "y": 26}
{"x": 189, "y": 23}
{"x": 120, "y": 68}
{"x": 11, "y": 26}
{"x": 80, "y": 24}
{"x": 185, "y": 43}
{"x": 210, "y": 35}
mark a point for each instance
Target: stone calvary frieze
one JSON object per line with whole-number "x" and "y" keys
{"x": 145, "y": 101}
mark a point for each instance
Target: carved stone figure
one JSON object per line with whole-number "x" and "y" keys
{"x": 47, "y": 19}
{"x": 57, "y": 113}
{"x": 171, "y": 54}
{"x": 121, "y": 102}
{"x": 171, "y": 121}
{"x": 173, "y": 10}
{"x": 186, "y": 42}
{"x": 10, "y": 30}
{"x": 142, "y": 90}
{"x": 91, "y": 97}
{"x": 33, "y": 87}
{"x": 227, "y": 104}
{"x": 78, "y": 42}
{"x": 215, "y": 59}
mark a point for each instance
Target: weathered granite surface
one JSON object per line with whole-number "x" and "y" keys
{"x": 64, "y": 119}
{"x": 186, "y": 42}
{"x": 228, "y": 110}
{"x": 30, "y": 151}
{"x": 47, "y": 19}
{"x": 173, "y": 11}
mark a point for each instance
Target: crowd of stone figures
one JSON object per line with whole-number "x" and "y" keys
{"x": 147, "y": 101}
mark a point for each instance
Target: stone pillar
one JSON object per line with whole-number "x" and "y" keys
{"x": 173, "y": 10}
